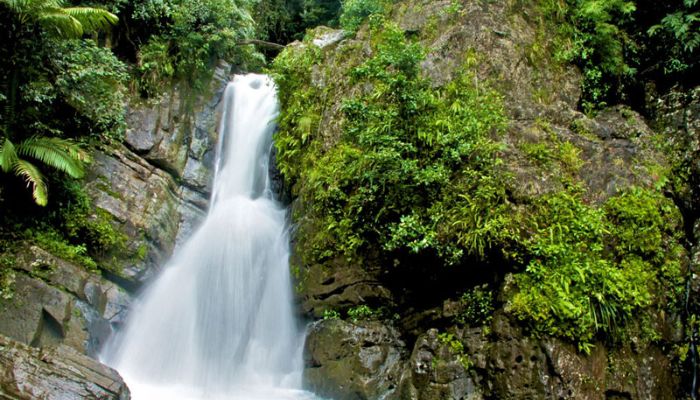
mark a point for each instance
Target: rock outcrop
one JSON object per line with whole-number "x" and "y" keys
{"x": 59, "y": 373}
{"x": 353, "y": 361}
{"x": 56, "y": 302}
{"x": 156, "y": 186}
{"x": 614, "y": 150}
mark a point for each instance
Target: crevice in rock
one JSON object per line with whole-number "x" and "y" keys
{"x": 49, "y": 331}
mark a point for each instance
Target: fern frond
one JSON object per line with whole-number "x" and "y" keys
{"x": 58, "y": 153}
{"x": 92, "y": 19}
{"x": 8, "y": 155}
{"x": 34, "y": 179}
{"x": 63, "y": 24}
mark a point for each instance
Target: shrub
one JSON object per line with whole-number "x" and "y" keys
{"x": 574, "y": 286}
{"x": 404, "y": 147}
{"x": 354, "y": 12}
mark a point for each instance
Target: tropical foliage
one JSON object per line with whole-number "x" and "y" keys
{"x": 412, "y": 178}
{"x": 620, "y": 43}
{"x": 57, "y": 19}
{"x": 405, "y": 149}
{"x": 58, "y": 153}
{"x": 48, "y": 68}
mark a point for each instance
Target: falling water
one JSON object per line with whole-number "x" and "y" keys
{"x": 218, "y": 322}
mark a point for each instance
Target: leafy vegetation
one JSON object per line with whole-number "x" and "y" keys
{"x": 404, "y": 146}
{"x": 55, "y": 152}
{"x": 283, "y": 21}
{"x": 187, "y": 37}
{"x": 411, "y": 172}
{"x": 355, "y": 12}
{"x": 47, "y": 72}
{"x": 590, "y": 270}
{"x": 456, "y": 348}
{"x": 57, "y": 19}
{"x": 620, "y": 43}
{"x": 477, "y": 307}
{"x": 361, "y": 312}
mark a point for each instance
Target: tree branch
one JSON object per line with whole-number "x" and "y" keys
{"x": 261, "y": 43}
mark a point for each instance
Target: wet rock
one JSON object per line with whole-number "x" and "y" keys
{"x": 519, "y": 366}
{"x": 352, "y": 360}
{"x": 56, "y": 302}
{"x": 438, "y": 371}
{"x": 158, "y": 185}
{"x": 143, "y": 203}
{"x": 340, "y": 287}
{"x": 324, "y": 36}
{"x": 59, "y": 373}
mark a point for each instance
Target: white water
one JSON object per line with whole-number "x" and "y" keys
{"x": 218, "y": 322}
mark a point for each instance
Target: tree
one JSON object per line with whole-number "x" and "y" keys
{"x": 34, "y": 20}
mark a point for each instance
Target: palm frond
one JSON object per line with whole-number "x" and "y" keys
{"x": 92, "y": 19}
{"x": 69, "y": 22}
{"x": 62, "y": 154}
{"x": 8, "y": 155}
{"x": 63, "y": 24}
{"x": 34, "y": 179}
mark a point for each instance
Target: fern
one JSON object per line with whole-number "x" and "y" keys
{"x": 68, "y": 22}
{"x": 34, "y": 179}
{"x": 57, "y": 153}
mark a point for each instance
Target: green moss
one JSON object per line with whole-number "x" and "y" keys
{"x": 141, "y": 251}
{"x": 456, "y": 348}
{"x": 388, "y": 166}
{"x": 361, "y": 312}
{"x": 53, "y": 242}
{"x": 7, "y": 276}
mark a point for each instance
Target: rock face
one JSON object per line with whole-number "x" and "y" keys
{"x": 438, "y": 369}
{"x": 677, "y": 116}
{"x": 59, "y": 373}
{"x": 153, "y": 190}
{"x": 615, "y": 150}
{"x": 367, "y": 360}
{"x": 341, "y": 287}
{"x": 156, "y": 187}
{"x": 56, "y": 302}
{"x": 353, "y": 361}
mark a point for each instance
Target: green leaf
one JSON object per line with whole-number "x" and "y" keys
{"x": 34, "y": 179}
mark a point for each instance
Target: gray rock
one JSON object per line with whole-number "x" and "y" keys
{"x": 59, "y": 373}
{"x": 352, "y": 360}
{"x": 436, "y": 371}
{"x": 143, "y": 202}
{"x": 56, "y": 302}
{"x": 340, "y": 287}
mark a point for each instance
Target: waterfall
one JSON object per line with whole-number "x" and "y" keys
{"x": 218, "y": 322}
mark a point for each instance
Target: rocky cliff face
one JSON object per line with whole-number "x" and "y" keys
{"x": 154, "y": 190}
{"x": 423, "y": 353}
{"x": 157, "y": 185}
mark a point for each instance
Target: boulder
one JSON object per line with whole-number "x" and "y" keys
{"x": 56, "y": 302}
{"x": 439, "y": 369}
{"x": 59, "y": 373}
{"x": 352, "y": 361}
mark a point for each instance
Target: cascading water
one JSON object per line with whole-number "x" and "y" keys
{"x": 218, "y": 322}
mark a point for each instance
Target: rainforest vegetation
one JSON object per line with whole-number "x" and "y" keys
{"x": 417, "y": 175}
